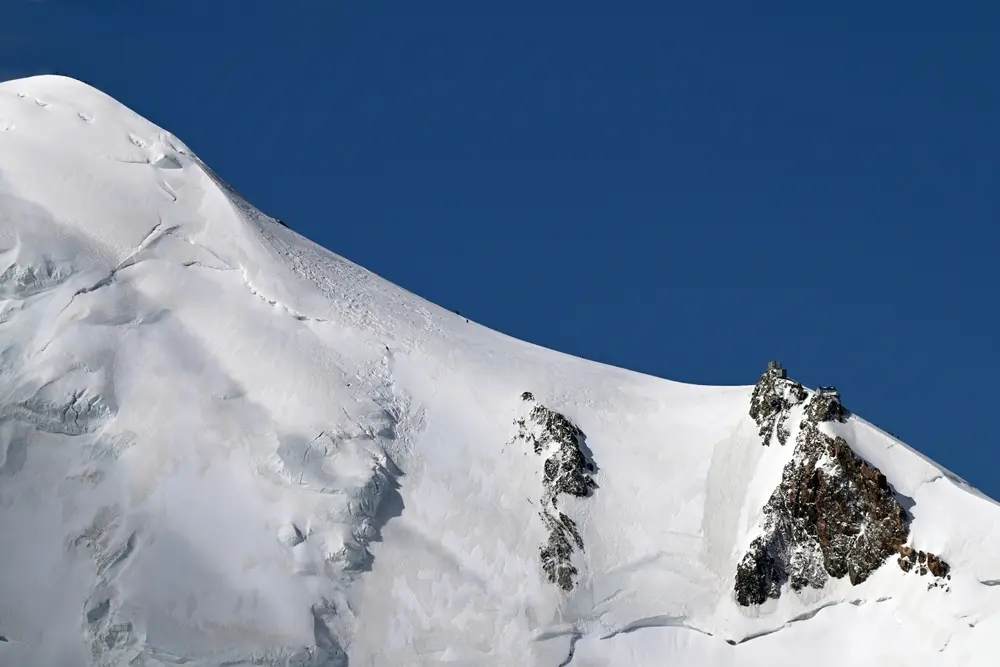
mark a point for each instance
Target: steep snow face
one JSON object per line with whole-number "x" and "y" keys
{"x": 222, "y": 444}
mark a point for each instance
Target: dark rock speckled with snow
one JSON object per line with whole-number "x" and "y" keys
{"x": 832, "y": 515}
{"x": 772, "y": 399}
{"x": 565, "y": 470}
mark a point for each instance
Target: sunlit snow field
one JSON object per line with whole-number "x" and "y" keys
{"x": 222, "y": 444}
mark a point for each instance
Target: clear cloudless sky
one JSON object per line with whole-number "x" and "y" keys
{"x": 682, "y": 189}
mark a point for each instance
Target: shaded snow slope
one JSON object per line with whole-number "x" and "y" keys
{"x": 222, "y": 444}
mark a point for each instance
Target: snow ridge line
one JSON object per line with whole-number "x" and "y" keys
{"x": 274, "y": 302}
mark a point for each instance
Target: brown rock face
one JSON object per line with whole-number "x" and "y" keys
{"x": 770, "y": 403}
{"x": 924, "y": 563}
{"x": 832, "y": 515}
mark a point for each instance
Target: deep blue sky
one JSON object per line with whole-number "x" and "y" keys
{"x": 683, "y": 189}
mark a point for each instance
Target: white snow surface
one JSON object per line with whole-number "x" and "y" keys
{"x": 223, "y": 444}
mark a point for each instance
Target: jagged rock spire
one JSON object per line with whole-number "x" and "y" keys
{"x": 832, "y": 515}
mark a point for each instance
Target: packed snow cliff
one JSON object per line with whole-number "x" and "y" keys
{"x": 223, "y": 444}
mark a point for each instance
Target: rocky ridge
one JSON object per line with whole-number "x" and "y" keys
{"x": 832, "y": 515}
{"x": 566, "y": 469}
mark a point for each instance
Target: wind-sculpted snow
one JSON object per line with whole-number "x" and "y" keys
{"x": 221, "y": 444}
{"x": 351, "y": 467}
{"x": 21, "y": 282}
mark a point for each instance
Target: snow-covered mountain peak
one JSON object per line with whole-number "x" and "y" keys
{"x": 106, "y": 187}
{"x": 223, "y": 444}
{"x": 77, "y": 152}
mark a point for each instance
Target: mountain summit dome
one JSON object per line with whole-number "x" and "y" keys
{"x": 223, "y": 444}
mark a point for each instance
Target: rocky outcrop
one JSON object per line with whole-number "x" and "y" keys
{"x": 833, "y": 515}
{"x": 565, "y": 470}
{"x": 772, "y": 399}
{"x": 924, "y": 563}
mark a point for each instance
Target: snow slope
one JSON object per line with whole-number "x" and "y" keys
{"x": 223, "y": 444}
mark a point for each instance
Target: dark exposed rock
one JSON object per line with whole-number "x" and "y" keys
{"x": 832, "y": 515}
{"x": 825, "y": 408}
{"x": 565, "y": 470}
{"x": 937, "y": 566}
{"x": 556, "y": 554}
{"x": 923, "y": 563}
{"x": 770, "y": 403}
{"x": 759, "y": 575}
{"x": 905, "y": 564}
